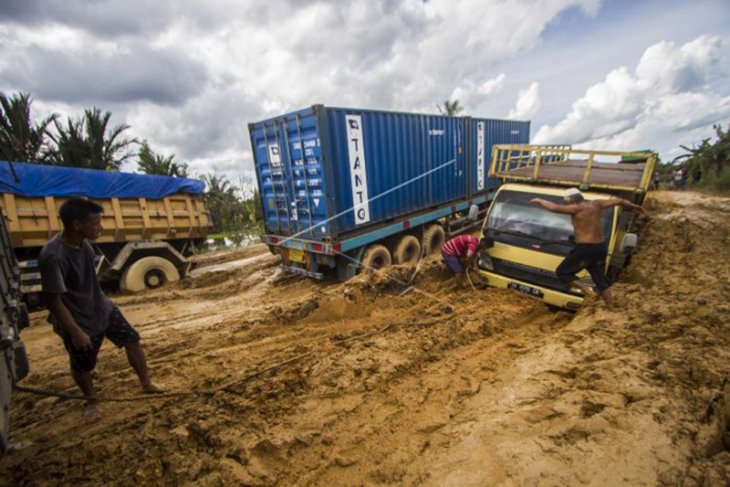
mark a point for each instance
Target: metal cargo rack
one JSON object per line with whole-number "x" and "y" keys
{"x": 625, "y": 172}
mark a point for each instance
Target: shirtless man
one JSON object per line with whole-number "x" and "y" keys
{"x": 590, "y": 249}
{"x": 80, "y": 311}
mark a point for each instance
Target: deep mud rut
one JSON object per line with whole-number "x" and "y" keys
{"x": 305, "y": 383}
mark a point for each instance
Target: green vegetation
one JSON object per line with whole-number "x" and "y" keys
{"x": 450, "y": 108}
{"x": 20, "y": 140}
{"x": 231, "y": 211}
{"x": 712, "y": 159}
{"x": 151, "y": 163}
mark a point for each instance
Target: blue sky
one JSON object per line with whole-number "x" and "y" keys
{"x": 189, "y": 75}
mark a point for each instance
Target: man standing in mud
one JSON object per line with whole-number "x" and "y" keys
{"x": 80, "y": 311}
{"x": 590, "y": 245}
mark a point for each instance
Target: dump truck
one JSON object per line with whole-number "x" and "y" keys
{"x": 528, "y": 241}
{"x": 13, "y": 318}
{"x": 151, "y": 223}
{"x": 344, "y": 189}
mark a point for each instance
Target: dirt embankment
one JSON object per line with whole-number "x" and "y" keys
{"x": 305, "y": 383}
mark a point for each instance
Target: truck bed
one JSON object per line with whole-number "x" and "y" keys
{"x": 624, "y": 172}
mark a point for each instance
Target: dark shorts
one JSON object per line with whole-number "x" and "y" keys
{"x": 453, "y": 263}
{"x": 120, "y": 332}
{"x": 591, "y": 257}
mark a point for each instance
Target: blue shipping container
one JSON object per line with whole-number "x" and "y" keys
{"x": 325, "y": 173}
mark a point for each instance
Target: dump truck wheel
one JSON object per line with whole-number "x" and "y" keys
{"x": 407, "y": 250}
{"x": 433, "y": 238}
{"x": 375, "y": 257}
{"x": 148, "y": 273}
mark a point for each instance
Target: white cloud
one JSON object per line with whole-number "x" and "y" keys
{"x": 190, "y": 75}
{"x": 668, "y": 93}
{"x": 528, "y": 103}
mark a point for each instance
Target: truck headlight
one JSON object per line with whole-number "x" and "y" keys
{"x": 485, "y": 262}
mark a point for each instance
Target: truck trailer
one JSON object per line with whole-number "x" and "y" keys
{"x": 151, "y": 223}
{"x": 344, "y": 189}
{"x": 529, "y": 242}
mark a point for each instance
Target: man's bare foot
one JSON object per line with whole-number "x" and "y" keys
{"x": 151, "y": 389}
{"x": 92, "y": 411}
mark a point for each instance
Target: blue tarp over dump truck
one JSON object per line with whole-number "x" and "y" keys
{"x": 348, "y": 188}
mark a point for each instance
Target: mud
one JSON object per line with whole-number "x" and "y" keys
{"x": 302, "y": 383}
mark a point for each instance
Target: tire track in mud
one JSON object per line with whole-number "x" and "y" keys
{"x": 467, "y": 388}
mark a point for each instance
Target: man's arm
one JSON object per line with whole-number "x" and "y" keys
{"x": 79, "y": 338}
{"x": 550, "y": 206}
{"x": 619, "y": 202}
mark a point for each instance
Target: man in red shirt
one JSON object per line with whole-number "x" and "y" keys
{"x": 460, "y": 252}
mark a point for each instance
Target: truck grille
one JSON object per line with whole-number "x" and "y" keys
{"x": 531, "y": 275}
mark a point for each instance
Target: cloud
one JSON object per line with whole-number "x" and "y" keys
{"x": 189, "y": 75}
{"x": 528, "y": 103}
{"x": 130, "y": 73}
{"x": 474, "y": 94}
{"x": 668, "y": 92}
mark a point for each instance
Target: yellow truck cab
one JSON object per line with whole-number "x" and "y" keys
{"x": 528, "y": 242}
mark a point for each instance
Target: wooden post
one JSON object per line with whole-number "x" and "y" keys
{"x": 170, "y": 218}
{"x": 118, "y": 220}
{"x": 145, "y": 217}
{"x": 53, "y": 224}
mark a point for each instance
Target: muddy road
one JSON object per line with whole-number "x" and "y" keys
{"x": 285, "y": 381}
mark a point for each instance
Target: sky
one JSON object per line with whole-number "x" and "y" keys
{"x": 190, "y": 75}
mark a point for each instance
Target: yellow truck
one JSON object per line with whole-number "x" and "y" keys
{"x": 151, "y": 223}
{"x": 528, "y": 242}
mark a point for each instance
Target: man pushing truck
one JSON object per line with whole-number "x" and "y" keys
{"x": 590, "y": 244}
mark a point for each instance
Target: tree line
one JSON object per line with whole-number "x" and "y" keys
{"x": 710, "y": 160}
{"x": 91, "y": 142}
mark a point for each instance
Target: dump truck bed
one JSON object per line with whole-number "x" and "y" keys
{"x": 625, "y": 172}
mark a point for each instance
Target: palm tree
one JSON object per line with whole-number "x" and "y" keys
{"x": 19, "y": 139}
{"x": 87, "y": 143}
{"x": 151, "y": 163}
{"x": 450, "y": 108}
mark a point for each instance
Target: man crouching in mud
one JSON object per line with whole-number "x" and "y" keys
{"x": 460, "y": 254}
{"x": 590, "y": 249}
{"x": 80, "y": 311}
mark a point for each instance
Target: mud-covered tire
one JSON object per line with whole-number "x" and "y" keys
{"x": 433, "y": 238}
{"x": 407, "y": 250}
{"x": 148, "y": 273}
{"x": 375, "y": 257}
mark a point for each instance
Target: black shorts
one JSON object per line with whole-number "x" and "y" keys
{"x": 591, "y": 257}
{"x": 119, "y": 331}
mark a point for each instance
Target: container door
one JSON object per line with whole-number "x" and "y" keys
{"x": 288, "y": 159}
{"x": 304, "y": 159}
{"x": 272, "y": 173}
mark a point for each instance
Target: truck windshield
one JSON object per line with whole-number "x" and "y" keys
{"x": 512, "y": 213}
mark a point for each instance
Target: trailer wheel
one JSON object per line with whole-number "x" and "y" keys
{"x": 375, "y": 257}
{"x": 433, "y": 238}
{"x": 407, "y": 250}
{"x": 148, "y": 273}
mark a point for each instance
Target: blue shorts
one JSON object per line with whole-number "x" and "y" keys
{"x": 453, "y": 263}
{"x": 119, "y": 331}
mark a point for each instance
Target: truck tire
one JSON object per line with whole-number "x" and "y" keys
{"x": 433, "y": 238}
{"x": 148, "y": 273}
{"x": 407, "y": 250}
{"x": 375, "y": 257}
